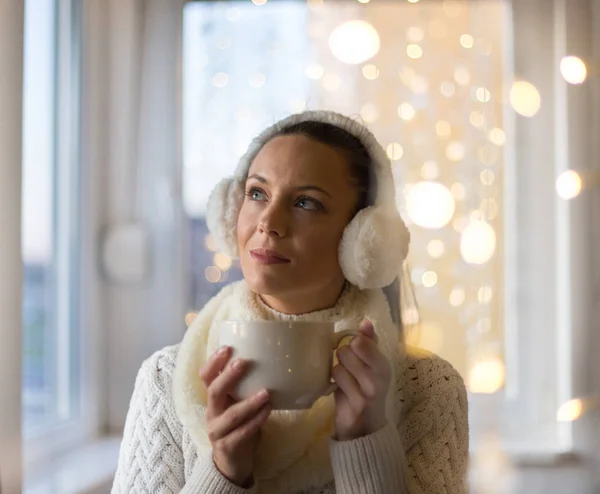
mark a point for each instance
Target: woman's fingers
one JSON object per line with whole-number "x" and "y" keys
{"x": 360, "y": 371}
{"x": 244, "y": 432}
{"x": 215, "y": 364}
{"x": 237, "y": 415}
{"x": 222, "y": 385}
{"x": 350, "y": 387}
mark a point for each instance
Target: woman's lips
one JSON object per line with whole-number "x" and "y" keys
{"x": 266, "y": 256}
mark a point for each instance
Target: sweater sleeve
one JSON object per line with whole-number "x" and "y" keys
{"x": 436, "y": 431}
{"x": 373, "y": 464}
{"x": 150, "y": 457}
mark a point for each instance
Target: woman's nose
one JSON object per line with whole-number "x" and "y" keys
{"x": 274, "y": 221}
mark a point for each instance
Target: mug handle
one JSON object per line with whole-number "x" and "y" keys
{"x": 335, "y": 343}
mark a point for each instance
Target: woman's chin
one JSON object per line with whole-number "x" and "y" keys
{"x": 263, "y": 282}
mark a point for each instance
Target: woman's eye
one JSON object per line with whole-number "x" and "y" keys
{"x": 256, "y": 194}
{"x": 309, "y": 204}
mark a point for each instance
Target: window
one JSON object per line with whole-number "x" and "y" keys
{"x": 432, "y": 81}
{"x": 50, "y": 224}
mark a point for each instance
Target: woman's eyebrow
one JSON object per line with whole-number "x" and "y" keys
{"x": 263, "y": 180}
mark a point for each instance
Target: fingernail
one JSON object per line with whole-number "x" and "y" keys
{"x": 222, "y": 350}
{"x": 238, "y": 364}
{"x": 262, "y": 394}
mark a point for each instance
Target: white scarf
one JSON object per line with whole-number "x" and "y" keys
{"x": 293, "y": 454}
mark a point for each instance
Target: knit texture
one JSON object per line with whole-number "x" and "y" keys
{"x": 423, "y": 449}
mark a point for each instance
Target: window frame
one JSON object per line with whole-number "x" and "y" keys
{"x": 76, "y": 389}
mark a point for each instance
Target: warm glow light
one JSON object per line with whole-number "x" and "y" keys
{"x": 487, "y": 177}
{"x": 370, "y": 72}
{"x": 483, "y": 94}
{"x": 430, "y": 205}
{"x": 457, "y": 296}
{"x": 570, "y": 411}
{"x": 258, "y": 80}
{"x": 459, "y": 223}
{"x": 478, "y": 242}
{"x": 487, "y": 376}
{"x": 430, "y": 170}
{"x": 364, "y": 1}
{"x": 369, "y": 112}
{"x": 429, "y": 279}
{"x": 568, "y": 184}
{"x": 209, "y": 242}
{"x": 462, "y": 76}
{"x": 222, "y": 261}
{"x": 447, "y": 89}
{"x": 458, "y": 191}
{"x": 497, "y": 136}
{"x": 354, "y": 42}
{"x": 395, "y": 151}
{"x": 436, "y": 248}
{"x": 466, "y": 40}
{"x": 476, "y": 118}
{"x": 259, "y": 2}
{"x": 189, "y": 318}
{"x": 406, "y": 111}
{"x": 314, "y": 71}
{"x": 331, "y": 82}
{"x": 485, "y": 294}
{"x": 414, "y": 34}
{"x": 431, "y": 337}
{"x": 443, "y": 128}
{"x": 414, "y": 51}
{"x": 525, "y": 98}
{"x": 413, "y": 1}
{"x": 489, "y": 207}
{"x": 220, "y": 79}
{"x": 455, "y": 151}
{"x": 213, "y": 274}
{"x": 573, "y": 69}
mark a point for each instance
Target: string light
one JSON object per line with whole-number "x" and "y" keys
{"x": 466, "y": 40}
{"x": 220, "y": 79}
{"x": 487, "y": 376}
{"x": 314, "y": 71}
{"x": 455, "y": 151}
{"x": 370, "y": 72}
{"x": 443, "y": 128}
{"x": 573, "y": 70}
{"x": 213, "y": 274}
{"x": 259, "y": 2}
{"x": 478, "y": 242}
{"x": 430, "y": 205}
{"x": 462, "y": 76}
{"x": 458, "y": 191}
{"x": 354, "y": 42}
{"x": 525, "y": 98}
{"x": 430, "y": 170}
{"x": 406, "y": 111}
{"x": 457, "y": 296}
{"x": 429, "y": 279}
{"x": 483, "y": 94}
{"x": 395, "y": 151}
{"x": 369, "y": 112}
{"x": 568, "y": 184}
{"x": 414, "y": 51}
{"x": 210, "y": 243}
{"x": 497, "y": 136}
{"x": 435, "y": 248}
{"x": 415, "y": 34}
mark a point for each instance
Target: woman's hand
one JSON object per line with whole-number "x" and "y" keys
{"x": 233, "y": 427}
{"x": 363, "y": 375}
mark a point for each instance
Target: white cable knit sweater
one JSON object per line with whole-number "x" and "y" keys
{"x": 422, "y": 450}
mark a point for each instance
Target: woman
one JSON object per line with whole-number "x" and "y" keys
{"x": 311, "y": 214}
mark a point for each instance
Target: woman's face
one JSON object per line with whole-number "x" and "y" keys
{"x": 299, "y": 199}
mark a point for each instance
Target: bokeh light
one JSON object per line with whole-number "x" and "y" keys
{"x": 573, "y": 70}
{"x": 568, "y": 184}
{"x": 478, "y": 242}
{"x": 525, "y": 98}
{"x": 487, "y": 376}
{"x": 354, "y": 42}
{"x": 430, "y": 205}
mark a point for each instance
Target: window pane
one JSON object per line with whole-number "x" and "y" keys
{"x": 49, "y": 248}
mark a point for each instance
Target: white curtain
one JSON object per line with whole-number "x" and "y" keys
{"x": 144, "y": 185}
{"x": 11, "y": 84}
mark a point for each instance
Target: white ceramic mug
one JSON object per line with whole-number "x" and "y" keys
{"x": 292, "y": 359}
